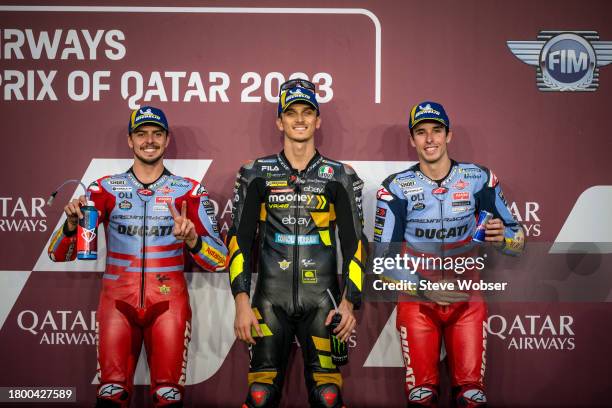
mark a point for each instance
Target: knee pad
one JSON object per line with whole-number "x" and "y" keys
{"x": 471, "y": 397}
{"x": 326, "y": 396}
{"x": 168, "y": 396}
{"x": 112, "y": 395}
{"x": 423, "y": 396}
{"x": 262, "y": 395}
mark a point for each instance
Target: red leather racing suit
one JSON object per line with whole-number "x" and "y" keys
{"x": 144, "y": 295}
{"x": 436, "y": 219}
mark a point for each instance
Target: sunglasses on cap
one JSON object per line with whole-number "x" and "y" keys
{"x": 302, "y": 83}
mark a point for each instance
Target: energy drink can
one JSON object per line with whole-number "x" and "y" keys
{"x": 339, "y": 350}
{"x": 87, "y": 233}
{"x": 479, "y": 233}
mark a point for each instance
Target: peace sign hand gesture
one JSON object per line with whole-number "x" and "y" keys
{"x": 184, "y": 229}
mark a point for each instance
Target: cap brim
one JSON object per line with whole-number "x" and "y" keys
{"x": 305, "y": 101}
{"x": 150, "y": 122}
{"x": 416, "y": 122}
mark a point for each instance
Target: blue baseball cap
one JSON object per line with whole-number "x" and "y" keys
{"x": 289, "y": 96}
{"x": 428, "y": 111}
{"x": 147, "y": 114}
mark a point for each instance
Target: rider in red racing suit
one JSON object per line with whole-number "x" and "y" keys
{"x": 144, "y": 295}
{"x": 428, "y": 211}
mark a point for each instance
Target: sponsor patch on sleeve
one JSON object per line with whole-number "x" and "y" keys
{"x": 383, "y": 194}
{"x": 358, "y": 185}
{"x": 492, "y": 179}
{"x": 199, "y": 191}
{"x": 501, "y": 196}
{"x": 94, "y": 187}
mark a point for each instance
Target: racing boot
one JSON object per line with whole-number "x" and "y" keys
{"x": 470, "y": 396}
{"x": 168, "y": 396}
{"x": 112, "y": 395}
{"x": 423, "y": 396}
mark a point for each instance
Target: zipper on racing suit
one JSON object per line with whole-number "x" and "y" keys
{"x": 142, "y": 273}
{"x": 296, "y": 254}
{"x": 442, "y": 245}
{"x": 441, "y": 229}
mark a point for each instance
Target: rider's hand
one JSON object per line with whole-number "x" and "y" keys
{"x": 73, "y": 212}
{"x": 348, "y": 322}
{"x": 494, "y": 231}
{"x": 184, "y": 229}
{"x": 245, "y": 319}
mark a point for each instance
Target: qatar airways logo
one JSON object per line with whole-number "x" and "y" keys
{"x": 60, "y": 327}
{"x": 22, "y": 214}
{"x": 534, "y": 332}
{"x": 527, "y": 214}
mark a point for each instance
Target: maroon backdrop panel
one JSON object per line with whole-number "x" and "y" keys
{"x": 215, "y": 72}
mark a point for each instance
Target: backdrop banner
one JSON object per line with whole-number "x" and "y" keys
{"x": 527, "y": 87}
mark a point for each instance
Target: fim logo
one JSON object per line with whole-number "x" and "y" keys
{"x": 565, "y": 60}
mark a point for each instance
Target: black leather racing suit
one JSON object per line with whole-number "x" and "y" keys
{"x": 296, "y": 214}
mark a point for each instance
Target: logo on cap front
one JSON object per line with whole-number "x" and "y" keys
{"x": 142, "y": 115}
{"x": 565, "y": 60}
{"x": 426, "y": 109}
{"x": 297, "y": 93}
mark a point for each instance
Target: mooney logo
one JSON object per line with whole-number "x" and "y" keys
{"x": 285, "y": 198}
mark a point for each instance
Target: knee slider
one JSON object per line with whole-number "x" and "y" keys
{"x": 423, "y": 396}
{"x": 112, "y": 395}
{"x": 168, "y": 396}
{"x": 326, "y": 396}
{"x": 471, "y": 397}
{"x": 262, "y": 395}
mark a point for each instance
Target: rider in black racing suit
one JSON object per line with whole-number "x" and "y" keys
{"x": 296, "y": 213}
